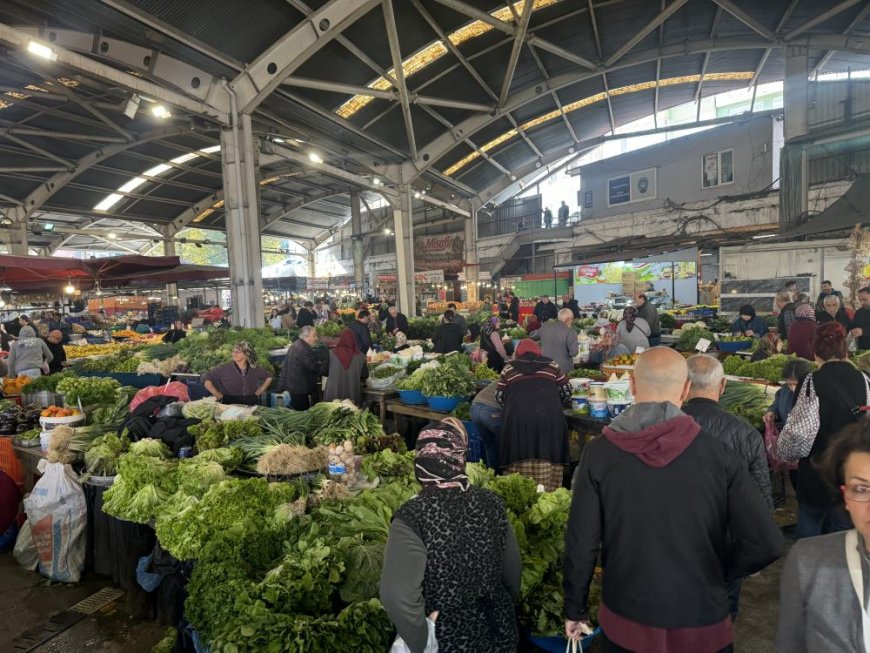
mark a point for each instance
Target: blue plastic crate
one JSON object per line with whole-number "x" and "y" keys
{"x": 475, "y": 443}
{"x": 558, "y": 644}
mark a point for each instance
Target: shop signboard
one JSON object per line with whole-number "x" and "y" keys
{"x": 431, "y": 276}
{"x": 612, "y": 273}
{"x": 387, "y": 278}
{"x": 444, "y": 252}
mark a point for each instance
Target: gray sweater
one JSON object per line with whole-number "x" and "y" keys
{"x": 28, "y": 354}
{"x": 818, "y": 610}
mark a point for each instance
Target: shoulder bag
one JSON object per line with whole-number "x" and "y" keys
{"x": 802, "y": 426}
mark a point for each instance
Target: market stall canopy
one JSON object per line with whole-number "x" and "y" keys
{"x": 30, "y": 273}
{"x": 851, "y": 209}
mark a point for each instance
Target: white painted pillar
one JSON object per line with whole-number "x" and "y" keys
{"x": 403, "y": 226}
{"x": 169, "y": 250}
{"x": 18, "y": 239}
{"x": 242, "y": 215}
{"x": 357, "y": 242}
{"x": 472, "y": 269}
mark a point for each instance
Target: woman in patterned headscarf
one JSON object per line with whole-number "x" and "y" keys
{"x": 238, "y": 382}
{"x": 452, "y": 555}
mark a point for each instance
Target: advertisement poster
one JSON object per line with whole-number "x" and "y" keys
{"x": 442, "y": 252}
{"x": 611, "y": 273}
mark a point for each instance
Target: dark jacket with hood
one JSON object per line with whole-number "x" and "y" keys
{"x": 301, "y": 370}
{"x": 676, "y": 517}
{"x": 738, "y": 436}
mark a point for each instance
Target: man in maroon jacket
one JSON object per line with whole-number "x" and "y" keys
{"x": 675, "y": 517}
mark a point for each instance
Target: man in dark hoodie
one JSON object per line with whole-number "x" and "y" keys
{"x": 676, "y": 517}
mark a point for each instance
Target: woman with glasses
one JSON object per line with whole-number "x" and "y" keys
{"x": 825, "y": 582}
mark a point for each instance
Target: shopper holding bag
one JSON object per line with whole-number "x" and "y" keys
{"x": 452, "y": 557}
{"x": 827, "y": 401}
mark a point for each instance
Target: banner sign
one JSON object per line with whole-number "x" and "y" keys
{"x": 443, "y": 252}
{"x": 611, "y": 273}
{"x": 432, "y": 276}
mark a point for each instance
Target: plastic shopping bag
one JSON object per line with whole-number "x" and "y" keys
{"x": 399, "y": 645}
{"x": 58, "y": 518}
{"x": 25, "y": 550}
{"x": 771, "y": 438}
{"x": 171, "y": 389}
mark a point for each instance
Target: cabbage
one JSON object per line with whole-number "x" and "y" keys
{"x": 150, "y": 447}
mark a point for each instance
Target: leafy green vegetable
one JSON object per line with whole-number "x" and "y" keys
{"x": 90, "y": 391}
{"x": 389, "y": 466}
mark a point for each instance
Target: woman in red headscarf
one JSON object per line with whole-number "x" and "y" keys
{"x": 534, "y": 434}
{"x": 347, "y": 370}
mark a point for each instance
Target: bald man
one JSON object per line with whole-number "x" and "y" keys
{"x": 676, "y": 517}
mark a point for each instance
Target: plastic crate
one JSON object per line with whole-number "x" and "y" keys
{"x": 475, "y": 443}
{"x": 9, "y": 462}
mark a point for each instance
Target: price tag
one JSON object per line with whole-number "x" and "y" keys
{"x": 703, "y": 345}
{"x": 639, "y": 350}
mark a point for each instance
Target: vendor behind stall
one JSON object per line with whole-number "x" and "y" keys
{"x": 28, "y": 355}
{"x": 748, "y": 323}
{"x": 239, "y": 382}
{"x": 55, "y": 346}
{"x": 175, "y": 334}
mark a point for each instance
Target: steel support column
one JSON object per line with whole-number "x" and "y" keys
{"x": 796, "y": 99}
{"x": 403, "y": 226}
{"x": 472, "y": 269}
{"x": 242, "y": 215}
{"x": 169, "y": 250}
{"x": 312, "y": 264}
{"x": 357, "y": 241}
{"x": 18, "y": 239}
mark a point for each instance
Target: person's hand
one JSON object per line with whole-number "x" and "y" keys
{"x": 749, "y": 333}
{"x": 769, "y": 417}
{"x": 219, "y": 396}
{"x": 434, "y": 616}
{"x": 576, "y": 630}
{"x": 857, "y": 333}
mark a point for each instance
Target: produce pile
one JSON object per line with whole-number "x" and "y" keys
{"x": 16, "y": 385}
{"x": 482, "y": 372}
{"x": 120, "y": 362}
{"x": 48, "y": 383}
{"x": 515, "y": 333}
{"x": 451, "y": 378}
{"x": 88, "y": 391}
{"x": 422, "y": 328}
{"x": 82, "y": 351}
{"x": 623, "y": 359}
{"x": 746, "y": 400}
{"x": 281, "y": 569}
{"x": 329, "y": 329}
{"x": 581, "y": 373}
{"x": 690, "y": 334}
{"x": 769, "y": 369}
{"x": 203, "y": 351}
{"x": 735, "y": 339}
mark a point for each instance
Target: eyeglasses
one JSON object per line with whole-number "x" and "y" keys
{"x": 860, "y": 493}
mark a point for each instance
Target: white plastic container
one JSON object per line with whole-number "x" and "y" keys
{"x": 48, "y": 423}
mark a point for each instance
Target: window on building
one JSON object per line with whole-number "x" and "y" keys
{"x": 717, "y": 168}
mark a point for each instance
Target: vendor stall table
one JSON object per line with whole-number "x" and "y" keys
{"x": 379, "y": 397}
{"x": 670, "y": 341}
{"x": 29, "y": 457}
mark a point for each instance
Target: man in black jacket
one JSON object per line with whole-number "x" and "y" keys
{"x": 300, "y": 372}
{"x": 675, "y": 515}
{"x": 396, "y": 321}
{"x": 306, "y": 316}
{"x": 571, "y": 304}
{"x": 514, "y": 307}
{"x": 361, "y": 331}
{"x": 448, "y": 336}
{"x": 650, "y": 313}
{"x": 545, "y": 310}
{"x": 707, "y": 383}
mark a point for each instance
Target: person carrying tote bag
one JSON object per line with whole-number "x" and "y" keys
{"x": 829, "y": 400}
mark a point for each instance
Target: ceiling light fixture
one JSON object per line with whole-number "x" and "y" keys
{"x": 113, "y": 236}
{"x": 160, "y": 111}
{"x": 314, "y": 157}
{"x": 377, "y": 181}
{"x": 41, "y": 50}
{"x": 760, "y": 236}
{"x": 132, "y": 106}
{"x": 69, "y": 289}
{"x": 417, "y": 194}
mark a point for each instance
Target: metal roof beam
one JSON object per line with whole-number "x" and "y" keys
{"x": 268, "y": 221}
{"x": 507, "y": 28}
{"x": 69, "y": 136}
{"x": 415, "y": 98}
{"x": 396, "y": 55}
{"x": 20, "y": 39}
{"x": 486, "y": 157}
{"x": 268, "y": 71}
{"x": 45, "y": 154}
{"x": 706, "y": 61}
{"x": 445, "y": 40}
{"x": 826, "y": 57}
{"x": 820, "y": 18}
{"x": 36, "y": 199}
{"x": 746, "y": 19}
{"x": 553, "y": 94}
{"x": 649, "y": 27}
{"x": 516, "y": 49}
{"x": 442, "y": 145}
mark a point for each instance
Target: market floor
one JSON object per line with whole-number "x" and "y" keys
{"x": 27, "y": 601}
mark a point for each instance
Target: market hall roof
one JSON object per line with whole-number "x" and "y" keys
{"x": 465, "y": 95}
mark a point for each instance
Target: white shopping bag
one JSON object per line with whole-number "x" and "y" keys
{"x": 58, "y": 518}
{"x": 399, "y": 645}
